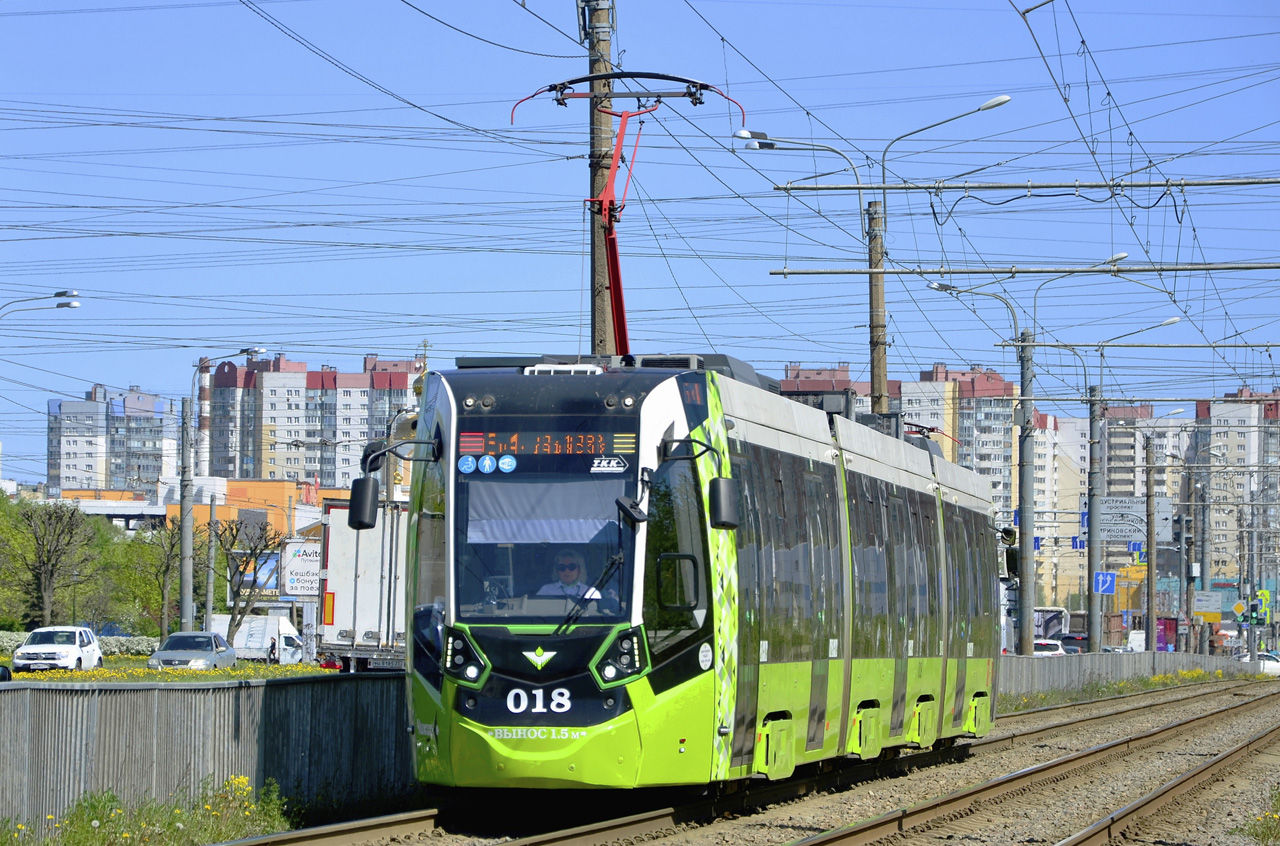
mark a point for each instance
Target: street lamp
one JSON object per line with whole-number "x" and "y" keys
{"x": 186, "y": 500}
{"x": 1026, "y": 467}
{"x": 57, "y": 295}
{"x": 994, "y": 102}
{"x": 875, "y": 255}
{"x": 5, "y": 311}
{"x": 1113, "y": 261}
{"x": 762, "y": 141}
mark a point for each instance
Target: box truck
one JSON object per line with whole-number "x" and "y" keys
{"x": 253, "y": 638}
{"x": 362, "y": 584}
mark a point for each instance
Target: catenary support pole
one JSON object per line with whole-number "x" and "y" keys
{"x": 213, "y": 559}
{"x": 1095, "y": 495}
{"x": 186, "y": 615}
{"x": 1027, "y": 493}
{"x": 878, "y": 319}
{"x": 1153, "y": 617}
{"x": 597, "y": 29}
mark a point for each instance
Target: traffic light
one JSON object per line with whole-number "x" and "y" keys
{"x": 1255, "y": 616}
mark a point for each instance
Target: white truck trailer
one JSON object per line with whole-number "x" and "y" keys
{"x": 362, "y": 584}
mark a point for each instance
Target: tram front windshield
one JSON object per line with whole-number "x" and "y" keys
{"x": 538, "y": 537}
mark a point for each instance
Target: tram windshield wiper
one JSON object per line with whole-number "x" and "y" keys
{"x": 630, "y": 513}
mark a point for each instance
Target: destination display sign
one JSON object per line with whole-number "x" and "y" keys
{"x": 546, "y": 443}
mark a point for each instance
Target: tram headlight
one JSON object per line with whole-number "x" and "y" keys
{"x": 462, "y": 661}
{"x": 624, "y": 659}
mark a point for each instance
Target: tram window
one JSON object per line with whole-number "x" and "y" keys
{"x": 677, "y": 581}
{"x": 428, "y": 643}
{"x": 674, "y": 530}
{"x": 431, "y": 536}
{"x": 872, "y": 599}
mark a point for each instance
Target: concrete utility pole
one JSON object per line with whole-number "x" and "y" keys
{"x": 597, "y": 35}
{"x": 1152, "y": 618}
{"x": 213, "y": 558}
{"x": 1095, "y": 482}
{"x": 1025, "y": 420}
{"x": 186, "y": 615}
{"x": 878, "y": 319}
{"x": 1027, "y": 492}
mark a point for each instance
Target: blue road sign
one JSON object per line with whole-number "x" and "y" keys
{"x": 1104, "y": 582}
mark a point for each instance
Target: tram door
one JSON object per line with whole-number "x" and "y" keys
{"x": 959, "y": 602}
{"x": 899, "y": 585}
{"x": 749, "y": 611}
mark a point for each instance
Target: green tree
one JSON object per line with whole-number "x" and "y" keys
{"x": 49, "y": 549}
{"x": 247, "y": 545}
{"x": 161, "y": 565}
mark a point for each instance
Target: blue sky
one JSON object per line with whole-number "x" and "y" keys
{"x": 327, "y": 179}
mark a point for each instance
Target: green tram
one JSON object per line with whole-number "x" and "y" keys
{"x": 656, "y": 571}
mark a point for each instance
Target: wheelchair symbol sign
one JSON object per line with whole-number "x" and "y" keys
{"x": 1104, "y": 582}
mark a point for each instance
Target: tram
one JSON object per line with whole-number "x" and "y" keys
{"x": 655, "y": 570}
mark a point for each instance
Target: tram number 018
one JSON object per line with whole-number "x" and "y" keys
{"x": 519, "y": 701}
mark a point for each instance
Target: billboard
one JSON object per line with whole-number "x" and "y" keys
{"x": 264, "y": 574}
{"x": 300, "y": 572}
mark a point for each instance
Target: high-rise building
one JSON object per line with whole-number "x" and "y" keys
{"x": 119, "y": 441}
{"x": 983, "y": 427}
{"x": 275, "y": 419}
{"x": 1235, "y": 470}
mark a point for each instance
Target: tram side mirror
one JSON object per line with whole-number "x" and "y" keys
{"x": 1008, "y": 536}
{"x": 631, "y": 511}
{"x": 1012, "y": 563}
{"x": 363, "y": 512}
{"x": 724, "y": 504}
{"x": 374, "y": 456}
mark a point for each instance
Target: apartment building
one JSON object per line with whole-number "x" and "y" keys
{"x": 121, "y": 440}
{"x": 276, "y": 419}
{"x": 1233, "y": 470}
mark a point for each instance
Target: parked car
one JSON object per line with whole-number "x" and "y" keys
{"x": 1048, "y": 648}
{"x": 58, "y": 648}
{"x": 193, "y": 651}
{"x": 1071, "y": 650}
{"x": 1270, "y": 663}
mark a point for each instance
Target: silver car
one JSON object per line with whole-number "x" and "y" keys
{"x": 193, "y": 651}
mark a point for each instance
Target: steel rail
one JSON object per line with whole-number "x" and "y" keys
{"x": 1132, "y": 815}
{"x": 903, "y": 819}
{"x": 343, "y": 834}
{"x": 748, "y": 795}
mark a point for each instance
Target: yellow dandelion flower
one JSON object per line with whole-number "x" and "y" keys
{"x": 49, "y": 817}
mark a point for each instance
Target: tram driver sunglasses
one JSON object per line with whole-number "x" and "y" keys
{"x": 561, "y": 566}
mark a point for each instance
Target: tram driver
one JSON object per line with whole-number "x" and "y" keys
{"x": 569, "y": 578}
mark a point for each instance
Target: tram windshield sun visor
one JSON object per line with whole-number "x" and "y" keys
{"x": 543, "y": 510}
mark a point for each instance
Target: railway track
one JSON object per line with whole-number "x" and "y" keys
{"x": 1027, "y": 729}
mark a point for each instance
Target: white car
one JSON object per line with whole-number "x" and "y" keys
{"x": 1270, "y": 663}
{"x": 58, "y": 648}
{"x": 1047, "y": 648}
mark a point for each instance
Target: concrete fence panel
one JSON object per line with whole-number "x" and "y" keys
{"x": 1024, "y": 675}
{"x": 321, "y": 738}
